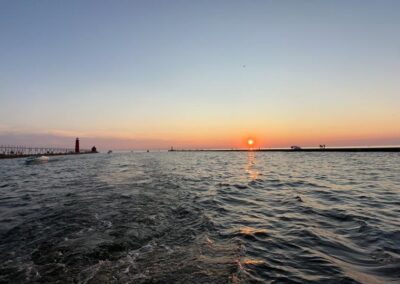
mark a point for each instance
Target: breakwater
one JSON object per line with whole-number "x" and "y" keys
{"x": 11, "y": 151}
{"x": 332, "y": 149}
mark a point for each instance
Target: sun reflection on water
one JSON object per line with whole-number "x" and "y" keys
{"x": 252, "y": 231}
{"x": 252, "y": 172}
{"x": 249, "y": 261}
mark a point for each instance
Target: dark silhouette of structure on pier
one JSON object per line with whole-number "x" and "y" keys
{"x": 77, "y": 145}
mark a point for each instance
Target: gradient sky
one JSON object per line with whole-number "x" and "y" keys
{"x": 152, "y": 74}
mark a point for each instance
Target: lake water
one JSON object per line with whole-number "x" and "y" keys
{"x": 201, "y": 218}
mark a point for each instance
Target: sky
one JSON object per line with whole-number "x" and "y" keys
{"x": 199, "y": 74}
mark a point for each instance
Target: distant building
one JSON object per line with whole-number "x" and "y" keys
{"x": 77, "y": 145}
{"x": 94, "y": 150}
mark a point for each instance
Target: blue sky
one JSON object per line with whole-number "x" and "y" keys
{"x": 200, "y": 73}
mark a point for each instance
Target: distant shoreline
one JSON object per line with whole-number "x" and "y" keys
{"x": 332, "y": 149}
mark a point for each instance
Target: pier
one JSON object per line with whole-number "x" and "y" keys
{"x": 12, "y": 151}
{"x": 7, "y": 152}
{"x": 295, "y": 150}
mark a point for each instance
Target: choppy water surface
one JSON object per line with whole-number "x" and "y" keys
{"x": 201, "y": 218}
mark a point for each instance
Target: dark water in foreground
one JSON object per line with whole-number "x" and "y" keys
{"x": 202, "y": 218}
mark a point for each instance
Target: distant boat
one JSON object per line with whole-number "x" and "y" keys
{"x": 37, "y": 160}
{"x": 148, "y": 151}
{"x": 109, "y": 152}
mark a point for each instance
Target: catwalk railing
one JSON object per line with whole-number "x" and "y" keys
{"x": 16, "y": 151}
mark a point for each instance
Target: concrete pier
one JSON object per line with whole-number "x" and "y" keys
{"x": 308, "y": 149}
{"x": 11, "y": 151}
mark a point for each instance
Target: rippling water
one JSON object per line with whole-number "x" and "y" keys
{"x": 201, "y": 218}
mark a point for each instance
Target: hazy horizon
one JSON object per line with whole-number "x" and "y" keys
{"x": 106, "y": 143}
{"x": 209, "y": 74}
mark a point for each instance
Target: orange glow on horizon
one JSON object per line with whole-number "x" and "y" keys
{"x": 237, "y": 137}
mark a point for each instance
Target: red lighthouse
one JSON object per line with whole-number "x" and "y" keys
{"x": 77, "y": 145}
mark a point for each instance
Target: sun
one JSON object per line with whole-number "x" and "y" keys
{"x": 250, "y": 142}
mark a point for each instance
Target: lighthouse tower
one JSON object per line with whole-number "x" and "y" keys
{"x": 77, "y": 145}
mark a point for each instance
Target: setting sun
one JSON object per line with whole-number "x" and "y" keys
{"x": 250, "y": 142}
